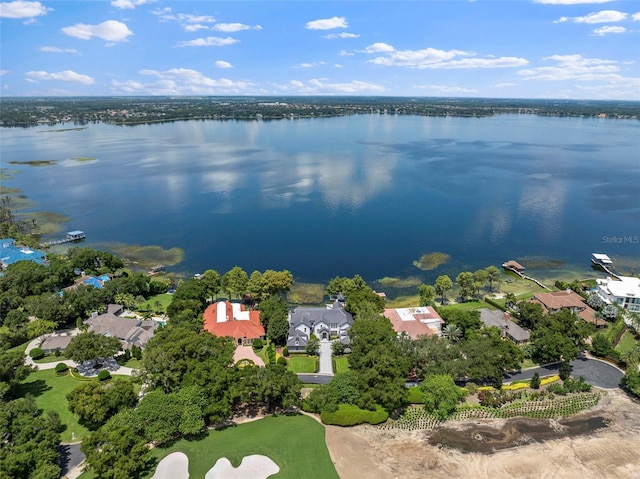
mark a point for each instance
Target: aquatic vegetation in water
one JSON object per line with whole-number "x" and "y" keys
{"x": 7, "y": 174}
{"x": 34, "y": 162}
{"x": 306, "y": 293}
{"x": 430, "y": 261}
{"x": 399, "y": 283}
{"x": 4, "y": 191}
{"x": 147, "y": 256}
{"x": 536, "y": 262}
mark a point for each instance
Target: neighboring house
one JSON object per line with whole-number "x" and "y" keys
{"x": 56, "y": 343}
{"x": 624, "y": 292}
{"x": 97, "y": 282}
{"x": 503, "y": 321}
{"x": 328, "y": 323}
{"x": 11, "y": 253}
{"x": 568, "y": 299}
{"x": 129, "y": 331}
{"x": 418, "y": 321}
{"x": 231, "y": 319}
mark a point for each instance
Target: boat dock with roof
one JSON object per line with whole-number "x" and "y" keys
{"x": 72, "y": 236}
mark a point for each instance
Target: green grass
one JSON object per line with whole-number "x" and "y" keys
{"x": 303, "y": 364}
{"x": 627, "y": 342}
{"x": 306, "y": 293}
{"x": 528, "y": 363}
{"x": 49, "y": 358}
{"x": 164, "y": 299}
{"x": 468, "y": 306}
{"x": 50, "y": 392}
{"x": 21, "y": 347}
{"x": 295, "y": 443}
{"x": 341, "y": 364}
{"x": 404, "y": 301}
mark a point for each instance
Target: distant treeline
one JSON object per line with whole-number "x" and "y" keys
{"x": 26, "y": 112}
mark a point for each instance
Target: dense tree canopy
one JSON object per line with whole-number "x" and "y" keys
{"x": 235, "y": 282}
{"x": 91, "y": 346}
{"x": 441, "y": 395}
{"x": 559, "y": 336}
{"x": 95, "y": 402}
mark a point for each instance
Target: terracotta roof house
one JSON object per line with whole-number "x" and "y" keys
{"x": 129, "y": 331}
{"x": 11, "y": 253}
{"x": 331, "y": 322}
{"x": 418, "y": 321}
{"x": 568, "y": 299}
{"x": 231, "y": 319}
{"x": 503, "y": 321}
{"x": 624, "y": 292}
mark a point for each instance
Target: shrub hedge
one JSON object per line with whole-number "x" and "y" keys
{"x": 36, "y": 353}
{"x": 350, "y": 415}
{"x": 415, "y": 396}
{"x": 61, "y": 368}
{"x": 104, "y": 375}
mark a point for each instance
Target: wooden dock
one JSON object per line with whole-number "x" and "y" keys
{"x": 72, "y": 236}
{"x": 508, "y": 267}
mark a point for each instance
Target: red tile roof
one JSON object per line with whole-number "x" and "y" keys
{"x": 413, "y": 328}
{"x": 250, "y": 328}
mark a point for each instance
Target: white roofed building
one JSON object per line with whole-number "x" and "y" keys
{"x": 624, "y": 292}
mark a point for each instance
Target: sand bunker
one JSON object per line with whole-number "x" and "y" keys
{"x": 174, "y": 466}
{"x": 255, "y": 466}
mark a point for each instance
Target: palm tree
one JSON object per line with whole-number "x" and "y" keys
{"x": 452, "y": 332}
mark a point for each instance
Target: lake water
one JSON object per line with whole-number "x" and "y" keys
{"x": 365, "y": 194}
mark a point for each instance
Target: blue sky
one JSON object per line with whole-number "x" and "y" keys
{"x": 579, "y": 49}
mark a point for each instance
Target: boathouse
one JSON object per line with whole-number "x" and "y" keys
{"x": 76, "y": 235}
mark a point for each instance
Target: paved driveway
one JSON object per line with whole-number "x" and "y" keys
{"x": 595, "y": 372}
{"x": 315, "y": 378}
{"x": 326, "y": 366}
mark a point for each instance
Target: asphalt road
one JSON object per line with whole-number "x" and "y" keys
{"x": 315, "y": 378}
{"x": 70, "y": 457}
{"x": 596, "y": 373}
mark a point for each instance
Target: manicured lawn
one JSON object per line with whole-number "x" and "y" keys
{"x": 164, "y": 300}
{"x": 50, "y": 392}
{"x": 528, "y": 363}
{"x": 626, "y": 343}
{"x": 468, "y": 306}
{"x": 405, "y": 301}
{"x": 21, "y": 347}
{"x": 50, "y": 358}
{"x": 342, "y": 364}
{"x": 295, "y": 443}
{"x": 303, "y": 364}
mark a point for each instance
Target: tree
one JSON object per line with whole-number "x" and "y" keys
{"x": 211, "y": 280}
{"x": 531, "y": 314}
{"x": 442, "y": 285}
{"x": 361, "y": 301}
{"x": 115, "y": 451}
{"x": 452, "y": 332}
{"x": 337, "y": 347}
{"x": 346, "y": 286}
{"x": 375, "y": 358}
{"x": 313, "y": 346}
{"x": 274, "y": 307}
{"x": 535, "y": 381}
{"x": 510, "y": 301}
{"x": 91, "y": 346}
{"x": 595, "y": 301}
{"x": 277, "y": 319}
{"x": 565, "y": 370}
{"x": 277, "y": 282}
{"x": 601, "y": 346}
{"x": 30, "y": 440}
{"x": 488, "y": 356}
{"x": 610, "y": 312}
{"x": 12, "y": 372}
{"x": 95, "y": 403}
{"x": 559, "y": 336}
{"x": 427, "y": 294}
{"x": 40, "y": 327}
{"x": 493, "y": 276}
{"x": 467, "y": 321}
{"x": 235, "y": 282}
{"x": 465, "y": 284}
{"x": 441, "y": 395}
{"x": 256, "y": 287}
{"x": 480, "y": 277}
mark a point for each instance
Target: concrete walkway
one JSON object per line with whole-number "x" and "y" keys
{"x": 326, "y": 365}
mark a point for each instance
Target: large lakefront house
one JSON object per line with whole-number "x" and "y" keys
{"x": 328, "y": 323}
{"x": 231, "y": 319}
{"x": 624, "y": 292}
{"x": 415, "y": 322}
{"x": 11, "y": 253}
{"x": 558, "y": 300}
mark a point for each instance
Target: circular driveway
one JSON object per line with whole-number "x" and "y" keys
{"x": 595, "y": 372}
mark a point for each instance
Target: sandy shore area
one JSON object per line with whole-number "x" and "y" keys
{"x": 608, "y": 453}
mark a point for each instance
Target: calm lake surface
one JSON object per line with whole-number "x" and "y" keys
{"x": 364, "y": 194}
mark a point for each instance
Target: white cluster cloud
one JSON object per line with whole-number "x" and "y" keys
{"x": 328, "y": 23}
{"x": 188, "y": 21}
{"x": 447, "y": 89}
{"x": 50, "y": 49}
{"x": 22, "y": 9}
{"x": 111, "y": 31}
{"x": 234, "y": 27}
{"x": 605, "y": 74}
{"x": 320, "y": 86}
{"x": 129, "y": 4}
{"x": 208, "y": 42}
{"x": 608, "y": 29}
{"x": 341, "y": 35}
{"x": 438, "y": 59}
{"x": 181, "y": 81}
{"x": 309, "y": 64}
{"x": 66, "y": 76}
{"x": 222, "y": 64}
{"x": 636, "y": 17}
{"x": 605, "y": 16}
